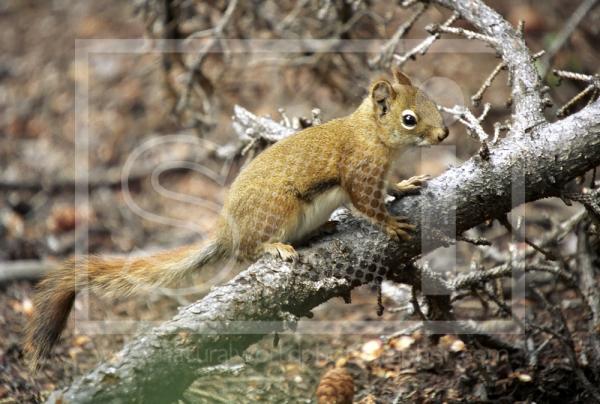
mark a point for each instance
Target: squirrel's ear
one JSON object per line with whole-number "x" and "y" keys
{"x": 382, "y": 94}
{"x": 401, "y": 78}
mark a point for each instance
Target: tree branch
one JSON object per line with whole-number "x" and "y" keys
{"x": 25, "y": 269}
{"x": 526, "y": 84}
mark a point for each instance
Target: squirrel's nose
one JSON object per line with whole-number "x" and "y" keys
{"x": 443, "y": 134}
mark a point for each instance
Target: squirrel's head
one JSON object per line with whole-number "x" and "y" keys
{"x": 406, "y": 114}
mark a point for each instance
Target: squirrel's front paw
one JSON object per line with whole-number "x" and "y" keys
{"x": 412, "y": 184}
{"x": 398, "y": 228}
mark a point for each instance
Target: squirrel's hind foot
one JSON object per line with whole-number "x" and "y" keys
{"x": 285, "y": 251}
{"x": 398, "y": 228}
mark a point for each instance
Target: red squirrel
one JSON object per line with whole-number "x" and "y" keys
{"x": 284, "y": 194}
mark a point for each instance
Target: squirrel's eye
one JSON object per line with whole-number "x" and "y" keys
{"x": 409, "y": 119}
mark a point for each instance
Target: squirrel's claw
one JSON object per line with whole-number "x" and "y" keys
{"x": 398, "y": 228}
{"x": 412, "y": 184}
{"x": 285, "y": 251}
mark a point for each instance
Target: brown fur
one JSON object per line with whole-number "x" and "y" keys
{"x": 108, "y": 276}
{"x": 355, "y": 153}
{"x": 281, "y": 196}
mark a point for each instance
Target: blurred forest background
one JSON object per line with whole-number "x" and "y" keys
{"x": 134, "y": 97}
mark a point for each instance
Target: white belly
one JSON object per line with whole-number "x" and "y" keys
{"x": 318, "y": 211}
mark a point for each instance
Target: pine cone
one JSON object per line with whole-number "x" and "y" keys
{"x": 336, "y": 387}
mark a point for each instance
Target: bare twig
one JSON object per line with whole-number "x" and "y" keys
{"x": 589, "y": 290}
{"x": 522, "y": 238}
{"x": 472, "y": 123}
{"x": 566, "y": 338}
{"x": 292, "y": 16}
{"x": 316, "y": 116}
{"x": 384, "y": 57}
{"x": 214, "y": 34}
{"x": 434, "y": 29}
{"x": 565, "y": 33}
{"x": 564, "y": 74}
{"x": 592, "y": 90}
{"x": 251, "y": 130}
{"x": 527, "y": 101}
{"x": 28, "y": 269}
{"x": 564, "y": 110}
{"x": 112, "y": 177}
{"x": 424, "y": 46}
{"x": 408, "y": 3}
{"x": 475, "y": 241}
{"x": 476, "y": 98}
{"x": 498, "y": 127}
{"x": 590, "y": 199}
{"x": 478, "y": 278}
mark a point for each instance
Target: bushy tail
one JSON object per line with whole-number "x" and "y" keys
{"x": 108, "y": 276}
